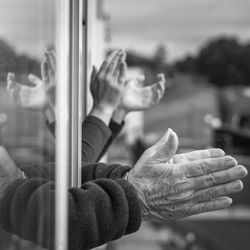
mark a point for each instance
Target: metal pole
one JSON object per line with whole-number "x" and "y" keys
{"x": 62, "y": 121}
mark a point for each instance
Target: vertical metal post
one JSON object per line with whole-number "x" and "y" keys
{"x": 62, "y": 119}
{"x": 76, "y": 9}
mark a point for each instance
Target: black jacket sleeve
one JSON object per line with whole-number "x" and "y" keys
{"x": 99, "y": 211}
{"x": 115, "y": 131}
{"x": 96, "y": 137}
{"x": 93, "y": 171}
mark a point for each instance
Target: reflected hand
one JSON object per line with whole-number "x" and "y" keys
{"x": 137, "y": 97}
{"x": 176, "y": 186}
{"x": 33, "y": 98}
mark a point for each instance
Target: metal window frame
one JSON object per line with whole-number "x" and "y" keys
{"x": 69, "y": 109}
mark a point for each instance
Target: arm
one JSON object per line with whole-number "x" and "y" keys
{"x": 99, "y": 211}
{"x": 134, "y": 98}
{"x": 90, "y": 172}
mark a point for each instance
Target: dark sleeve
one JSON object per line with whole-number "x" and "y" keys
{"x": 90, "y": 172}
{"x": 115, "y": 131}
{"x": 95, "y": 135}
{"x": 99, "y": 211}
{"x": 52, "y": 128}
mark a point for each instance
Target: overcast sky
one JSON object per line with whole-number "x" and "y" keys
{"x": 182, "y": 25}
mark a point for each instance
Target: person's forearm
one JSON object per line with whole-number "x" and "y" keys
{"x": 103, "y": 113}
{"x": 99, "y": 212}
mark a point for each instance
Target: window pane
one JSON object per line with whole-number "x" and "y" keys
{"x": 27, "y": 28}
{"x": 203, "y": 49}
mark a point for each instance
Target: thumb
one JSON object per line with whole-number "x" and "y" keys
{"x": 92, "y": 81}
{"x": 93, "y": 74}
{"x": 34, "y": 79}
{"x": 166, "y": 147}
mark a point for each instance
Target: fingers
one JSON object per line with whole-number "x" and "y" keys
{"x": 157, "y": 90}
{"x": 166, "y": 147}
{"x": 200, "y": 154}
{"x": 213, "y": 179}
{"x": 92, "y": 81}
{"x": 35, "y": 80}
{"x": 141, "y": 78}
{"x": 93, "y": 74}
{"x": 218, "y": 191}
{"x": 122, "y": 73}
{"x": 206, "y": 166}
{"x": 13, "y": 88}
{"x": 220, "y": 177}
{"x": 114, "y": 64}
{"x": 104, "y": 67}
{"x": 44, "y": 71}
{"x": 11, "y": 81}
{"x": 216, "y": 204}
{"x": 51, "y": 60}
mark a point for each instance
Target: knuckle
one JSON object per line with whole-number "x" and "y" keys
{"x": 178, "y": 189}
{"x": 210, "y": 179}
{"x": 203, "y": 207}
{"x": 210, "y": 194}
{"x": 204, "y": 167}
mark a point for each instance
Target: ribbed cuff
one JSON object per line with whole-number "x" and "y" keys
{"x": 134, "y": 204}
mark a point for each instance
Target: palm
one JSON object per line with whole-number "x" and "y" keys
{"x": 33, "y": 98}
{"x": 137, "y": 97}
{"x": 30, "y": 97}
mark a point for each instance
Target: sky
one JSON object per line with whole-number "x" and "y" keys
{"x": 181, "y": 25}
{"x": 27, "y": 25}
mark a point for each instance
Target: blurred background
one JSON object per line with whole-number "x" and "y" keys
{"x": 203, "y": 48}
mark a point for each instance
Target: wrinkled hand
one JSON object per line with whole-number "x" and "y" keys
{"x": 8, "y": 170}
{"x": 107, "y": 85}
{"x": 137, "y": 97}
{"x": 176, "y": 186}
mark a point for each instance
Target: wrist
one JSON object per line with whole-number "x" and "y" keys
{"x": 119, "y": 115}
{"x": 102, "y": 112}
{"x": 141, "y": 196}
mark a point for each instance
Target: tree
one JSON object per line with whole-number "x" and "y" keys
{"x": 10, "y": 61}
{"x": 224, "y": 61}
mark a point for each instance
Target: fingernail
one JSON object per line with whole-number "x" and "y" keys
{"x": 242, "y": 171}
{"x": 238, "y": 185}
{"x": 230, "y": 161}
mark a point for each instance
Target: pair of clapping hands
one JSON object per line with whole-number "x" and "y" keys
{"x": 169, "y": 185}
{"x": 113, "y": 95}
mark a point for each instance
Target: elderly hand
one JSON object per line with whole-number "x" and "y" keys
{"x": 137, "y": 97}
{"x": 176, "y": 186}
{"x": 107, "y": 85}
{"x": 33, "y": 98}
{"x": 39, "y": 97}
